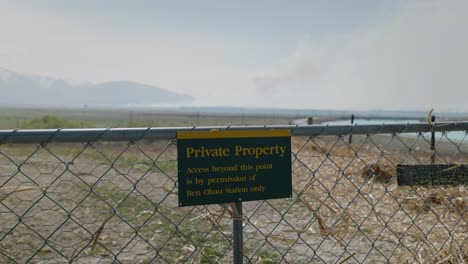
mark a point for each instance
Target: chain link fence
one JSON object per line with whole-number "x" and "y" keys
{"x": 110, "y": 196}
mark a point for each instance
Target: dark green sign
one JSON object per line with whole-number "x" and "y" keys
{"x": 432, "y": 175}
{"x": 231, "y": 166}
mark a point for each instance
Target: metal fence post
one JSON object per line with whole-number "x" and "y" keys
{"x": 433, "y": 142}
{"x": 351, "y": 136}
{"x": 238, "y": 235}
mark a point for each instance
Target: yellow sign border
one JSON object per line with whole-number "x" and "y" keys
{"x": 233, "y": 134}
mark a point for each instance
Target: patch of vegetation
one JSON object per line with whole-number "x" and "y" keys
{"x": 49, "y": 121}
{"x": 267, "y": 257}
{"x": 11, "y": 118}
{"x": 168, "y": 166}
{"x": 163, "y": 165}
{"x": 168, "y": 229}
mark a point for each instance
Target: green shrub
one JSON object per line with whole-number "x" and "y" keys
{"x": 49, "y": 121}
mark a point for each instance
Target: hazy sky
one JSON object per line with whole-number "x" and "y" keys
{"x": 302, "y": 54}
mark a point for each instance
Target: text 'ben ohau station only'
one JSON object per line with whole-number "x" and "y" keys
{"x": 225, "y": 166}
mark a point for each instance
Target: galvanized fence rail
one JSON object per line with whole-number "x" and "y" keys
{"x": 110, "y": 196}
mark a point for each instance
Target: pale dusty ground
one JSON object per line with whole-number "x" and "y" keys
{"x": 53, "y": 206}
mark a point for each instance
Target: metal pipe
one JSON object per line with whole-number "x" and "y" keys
{"x": 133, "y": 134}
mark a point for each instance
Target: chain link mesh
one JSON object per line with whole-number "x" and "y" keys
{"x": 114, "y": 202}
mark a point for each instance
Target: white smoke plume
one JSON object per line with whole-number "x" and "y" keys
{"x": 414, "y": 60}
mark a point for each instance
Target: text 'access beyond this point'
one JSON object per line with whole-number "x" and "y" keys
{"x": 225, "y": 166}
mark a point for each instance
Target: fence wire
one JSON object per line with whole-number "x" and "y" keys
{"x": 110, "y": 196}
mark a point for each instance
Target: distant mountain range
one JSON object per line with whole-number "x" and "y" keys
{"x": 24, "y": 89}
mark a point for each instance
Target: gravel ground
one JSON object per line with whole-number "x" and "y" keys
{"x": 110, "y": 202}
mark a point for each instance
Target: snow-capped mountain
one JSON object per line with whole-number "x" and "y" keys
{"x": 25, "y": 89}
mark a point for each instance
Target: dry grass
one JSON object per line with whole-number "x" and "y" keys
{"x": 426, "y": 225}
{"x": 346, "y": 208}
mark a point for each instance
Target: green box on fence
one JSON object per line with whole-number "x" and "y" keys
{"x": 225, "y": 166}
{"x": 432, "y": 175}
